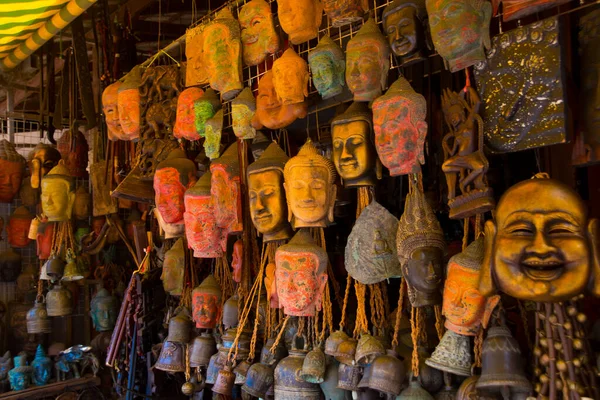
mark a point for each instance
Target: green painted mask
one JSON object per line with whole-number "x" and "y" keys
{"x": 205, "y": 108}
{"x": 212, "y": 142}
{"x": 328, "y": 66}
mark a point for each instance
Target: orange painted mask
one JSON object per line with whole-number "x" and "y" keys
{"x": 300, "y": 19}
{"x": 225, "y": 191}
{"x": 270, "y": 112}
{"x": 173, "y": 177}
{"x": 128, "y": 103}
{"x": 206, "y": 302}
{"x": 12, "y": 168}
{"x": 259, "y": 37}
{"x": 185, "y": 121}
{"x": 110, "y": 107}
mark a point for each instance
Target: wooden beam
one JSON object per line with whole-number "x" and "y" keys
{"x": 52, "y": 389}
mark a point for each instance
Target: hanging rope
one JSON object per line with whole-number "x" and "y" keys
{"x": 345, "y": 305}
{"x": 439, "y": 321}
{"x": 279, "y": 335}
{"x": 414, "y": 334}
{"x": 361, "y": 324}
{"x": 399, "y": 312}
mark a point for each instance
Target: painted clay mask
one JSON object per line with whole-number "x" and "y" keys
{"x": 270, "y": 112}
{"x": 58, "y": 194}
{"x": 12, "y": 168}
{"x": 328, "y": 65}
{"x": 201, "y": 230}
{"x": 205, "y": 108}
{"x": 212, "y": 141}
{"x": 41, "y": 160}
{"x": 400, "y": 128}
{"x": 353, "y": 153}
{"x": 128, "y": 102}
{"x": 404, "y": 24}
{"x": 18, "y": 227}
{"x": 344, "y": 12}
{"x": 206, "y": 300}
{"x": 83, "y": 201}
{"x": 300, "y": 19}
{"x": 464, "y": 307}
{"x": 74, "y": 148}
{"x": 196, "y": 73}
{"x": 104, "y": 310}
{"x": 185, "y": 121}
{"x": 243, "y": 109}
{"x": 223, "y": 54}
{"x": 301, "y": 276}
{"x": 173, "y": 177}
{"x": 371, "y": 249}
{"x": 111, "y": 111}
{"x": 542, "y": 245}
{"x": 310, "y": 188}
{"x": 259, "y": 38}
{"x": 460, "y": 30}
{"x": 421, "y": 249}
{"x": 524, "y": 63}
{"x": 268, "y": 207}
{"x": 173, "y": 269}
{"x": 367, "y": 62}
{"x": 237, "y": 260}
{"x": 290, "y": 77}
{"x": 225, "y": 190}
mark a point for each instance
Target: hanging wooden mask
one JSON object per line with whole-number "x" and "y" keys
{"x": 205, "y": 108}
{"x": 353, "y": 152}
{"x": 268, "y": 208}
{"x": 18, "y": 227}
{"x": 203, "y": 235}
{"x": 371, "y": 249}
{"x": 290, "y": 77}
{"x": 128, "y": 103}
{"x": 223, "y": 54}
{"x": 212, "y": 140}
{"x": 73, "y": 148}
{"x": 405, "y": 25}
{"x": 327, "y": 65}
{"x": 300, "y": 19}
{"x": 173, "y": 269}
{"x": 206, "y": 302}
{"x": 300, "y": 274}
{"x": 344, "y": 12}
{"x": 367, "y": 62}
{"x": 41, "y": 160}
{"x": 111, "y": 111}
{"x": 460, "y": 30}
{"x": 173, "y": 177}
{"x": 12, "y": 168}
{"x": 259, "y": 37}
{"x": 58, "y": 194}
{"x": 185, "y": 121}
{"x": 541, "y": 245}
{"x": 270, "y": 112}
{"x": 196, "y": 73}
{"x": 310, "y": 188}
{"x": 400, "y": 128}
{"x": 243, "y": 108}
{"x": 524, "y": 64}
{"x": 226, "y": 191}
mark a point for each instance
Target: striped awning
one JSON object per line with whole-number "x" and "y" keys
{"x": 25, "y": 25}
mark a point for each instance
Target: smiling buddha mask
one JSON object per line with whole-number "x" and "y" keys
{"x": 290, "y": 77}
{"x": 259, "y": 37}
{"x": 404, "y": 24}
{"x": 310, "y": 188}
{"x": 185, "y": 121}
{"x": 12, "y": 168}
{"x": 542, "y": 244}
{"x": 300, "y": 19}
{"x": 268, "y": 207}
{"x": 243, "y": 109}
{"x": 58, "y": 194}
{"x": 270, "y": 111}
{"x": 327, "y": 64}
{"x": 353, "y": 153}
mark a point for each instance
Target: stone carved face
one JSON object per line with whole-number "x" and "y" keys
{"x": 185, "y": 121}
{"x": 173, "y": 269}
{"x": 460, "y": 30}
{"x": 423, "y": 273}
{"x": 237, "y": 260}
{"x": 290, "y": 77}
{"x": 268, "y": 208}
{"x": 104, "y": 313}
{"x": 111, "y": 111}
{"x": 128, "y": 102}
{"x": 258, "y": 32}
{"x": 270, "y": 112}
{"x": 300, "y": 19}
{"x": 343, "y": 12}
{"x": 403, "y": 25}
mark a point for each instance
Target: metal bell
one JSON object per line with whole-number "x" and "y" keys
{"x": 171, "y": 358}
{"x": 202, "y": 348}
{"x": 44, "y": 272}
{"x": 58, "y": 302}
{"x": 452, "y": 354}
{"x": 258, "y": 380}
{"x": 447, "y": 393}
{"x": 231, "y": 312}
{"x": 367, "y": 349}
{"x": 270, "y": 359}
{"x": 348, "y": 377}
{"x": 414, "y": 391}
{"x": 224, "y": 382}
{"x": 214, "y": 365}
{"x": 55, "y": 267}
{"x": 313, "y": 367}
{"x": 333, "y": 342}
{"x": 501, "y": 364}
{"x": 288, "y": 385}
{"x": 240, "y": 372}
{"x": 346, "y": 351}
{"x": 329, "y": 384}
{"x": 179, "y": 327}
{"x": 431, "y": 379}
{"x": 385, "y": 374}
{"x": 467, "y": 391}
{"x": 71, "y": 271}
{"x": 37, "y": 318}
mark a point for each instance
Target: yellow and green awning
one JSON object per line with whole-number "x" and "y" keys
{"x": 25, "y": 25}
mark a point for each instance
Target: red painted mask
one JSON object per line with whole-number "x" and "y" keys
{"x": 172, "y": 178}
{"x": 44, "y": 240}
{"x": 225, "y": 190}
{"x": 206, "y": 300}
{"x": 12, "y": 167}
{"x": 18, "y": 227}
{"x": 237, "y": 260}
{"x": 73, "y": 148}
{"x": 185, "y": 121}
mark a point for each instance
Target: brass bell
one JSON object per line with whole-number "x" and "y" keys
{"x": 224, "y": 382}
{"x": 171, "y": 358}
{"x": 231, "y": 312}
{"x": 414, "y": 391}
{"x": 501, "y": 364}
{"x": 55, "y": 267}
{"x": 329, "y": 384}
{"x": 346, "y": 351}
{"x": 385, "y": 374}
{"x": 258, "y": 380}
{"x": 333, "y": 342}
{"x": 71, "y": 271}
{"x": 214, "y": 365}
{"x": 240, "y": 372}
{"x": 468, "y": 391}
{"x": 58, "y": 302}
{"x": 270, "y": 359}
{"x": 313, "y": 367}
{"x": 44, "y": 272}
{"x": 349, "y": 377}
{"x": 179, "y": 327}
{"x": 447, "y": 393}
{"x": 37, "y": 318}
{"x": 367, "y": 349}
{"x": 452, "y": 354}
{"x": 202, "y": 348}
{"x": 288, "y": 385}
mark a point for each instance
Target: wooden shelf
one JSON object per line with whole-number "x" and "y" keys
{"x": 52, "y": 388}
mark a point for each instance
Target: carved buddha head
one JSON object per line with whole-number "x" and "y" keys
{"x": 110, "y": 108}
{"x": 18, "y": 227}
{"x": 12, "y": 168}
{"x": 204, "y": 108}
{"x": 203, "y": 234}
{"x": 225, "y": 190}
{"x": 421, "y": 250}
{"x": 41, "y": 160}
{"x": 104, "y": 309}
{"x": 237, "y": 260}
{"x": 301, "y": 276}
{"x": 173, "y": 269}
{"x": 259, "y": 37}
{"x": 206, "y": 299}
{"x": 58, "y": 194}
{"x": 172, "y": 178}
{"x": 400, "y": 128}
{"x": 542, "y": 245}
{"x": 460, "y": 30}
{"x": 353, "y": 153}
{"x": 223, "y": 54}
{"x": 344, "y": 12}
{"x": 290, "y": 77}
{"x": 185, "y": 121}
{"x": 270, "y": 112}
{"x": 309, "y": 182}
{"x": 300, "y": 19}
{"x": 268, "y": 207}
{"x": 83, "y": 202}
{"x": 212, "y": 140}
{"x": 243, "y": 108}
{"x": 464, "y": 306}
{"x": 128, "y": 102}
{"x": 367, "y": 62}
{"x": 327, "y": 64}
{"x": 404, "y": 24}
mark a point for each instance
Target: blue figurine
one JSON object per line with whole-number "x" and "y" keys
{"x": 42, "y": 367}
{"x": 20, "y": 375}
